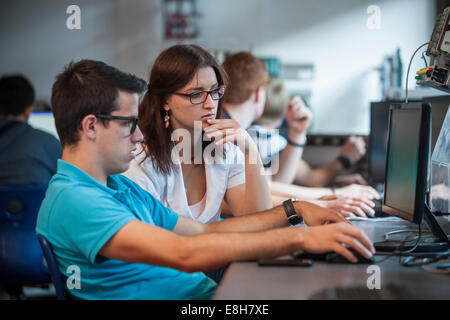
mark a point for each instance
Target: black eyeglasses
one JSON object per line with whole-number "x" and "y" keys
{"x": 201, "y": 96}
{"x": 131, "y": 121}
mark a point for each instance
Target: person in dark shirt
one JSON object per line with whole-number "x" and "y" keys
{"x": 28, "y": 156}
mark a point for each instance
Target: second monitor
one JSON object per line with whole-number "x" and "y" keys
{"x": 407, "y": 162}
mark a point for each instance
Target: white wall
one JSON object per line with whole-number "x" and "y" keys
{"x": 36, "y": 42}
{"x": 331, "y": 34}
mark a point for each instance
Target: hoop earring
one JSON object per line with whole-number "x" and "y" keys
{"x": 166, "y": 119}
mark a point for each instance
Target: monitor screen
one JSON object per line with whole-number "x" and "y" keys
{"x": 379, "y": 120}
{"x": 43, "y": 120}
{"x": 403, "y": 159}
{"x": 407, "y": 160}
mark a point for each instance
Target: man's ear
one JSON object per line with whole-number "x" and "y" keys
{"x": 89, "y": 126}
{"x": 27, "y": 112}
{"x": 258, "y": 93}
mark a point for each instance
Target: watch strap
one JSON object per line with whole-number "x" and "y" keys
{"x": 291, "y": 214}
{"x": 295, "y": 144}
{"x": 345, "y": 161}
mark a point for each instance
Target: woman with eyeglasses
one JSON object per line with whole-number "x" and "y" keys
{"x": 191, "y": 160}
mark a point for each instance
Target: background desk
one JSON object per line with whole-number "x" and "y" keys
{"x": 248, "y": 281}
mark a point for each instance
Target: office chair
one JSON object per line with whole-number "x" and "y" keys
{"x": 58, "y": 282}
{"x": 21, "y": 259}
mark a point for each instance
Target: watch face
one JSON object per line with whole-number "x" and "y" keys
{"x": 294, "y": 220}
{"x": 345, "y": 161}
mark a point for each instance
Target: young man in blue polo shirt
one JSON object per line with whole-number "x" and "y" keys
{"x": 127, "y": 245}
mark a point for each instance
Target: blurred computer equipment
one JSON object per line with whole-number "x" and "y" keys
{"x": 440, "y": 171}
{"x": 406, "y": 175}
{"x": 437, "y": 73}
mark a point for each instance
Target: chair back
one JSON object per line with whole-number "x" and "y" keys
{"x": 21, "y": 259}
{"x": 57, "y": 279}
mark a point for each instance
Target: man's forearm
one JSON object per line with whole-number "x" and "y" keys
{"x": 212, "y": 251}
{"x": 135, "y": 243}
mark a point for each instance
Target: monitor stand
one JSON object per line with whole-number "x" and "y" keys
{"x": 441, "y": 242}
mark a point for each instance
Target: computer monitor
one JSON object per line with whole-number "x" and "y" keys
{"x": 406, "y": 158}
{"x": 406, "y": 173}
{"x": 43, "y": 120}
{"x": 379, "y": 118}
{"x": 439, "y": 107}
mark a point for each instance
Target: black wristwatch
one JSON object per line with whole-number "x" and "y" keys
{"x": 345, "y": 161}
{"x": 292, "y": 216}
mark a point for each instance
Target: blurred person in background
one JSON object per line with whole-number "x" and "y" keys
{"x": 28, "y": 156}
{"x": 245, "y": 101}
{"x": 279, "y": 106}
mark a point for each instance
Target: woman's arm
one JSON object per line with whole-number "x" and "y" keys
{"x": 254, "y": 195}
{"x": 291, "y": 190}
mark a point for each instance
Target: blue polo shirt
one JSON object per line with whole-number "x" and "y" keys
{"x": 79, "y": 215}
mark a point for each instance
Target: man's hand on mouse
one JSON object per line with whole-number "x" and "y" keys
{"x": 335, "y": 237}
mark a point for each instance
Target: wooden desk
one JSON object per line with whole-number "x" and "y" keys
{"x": 248, "y": 281}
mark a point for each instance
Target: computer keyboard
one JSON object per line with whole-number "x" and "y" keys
{"x": 387, "y": 292}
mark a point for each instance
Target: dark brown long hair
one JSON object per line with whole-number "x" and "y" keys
{"x": 172, "y": 70}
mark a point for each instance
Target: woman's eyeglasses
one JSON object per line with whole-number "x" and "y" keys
{"x": 201, "y": 96}
{"x": 131, "y": 121}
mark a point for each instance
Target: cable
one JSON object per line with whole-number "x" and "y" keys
{"x": 409, "y": 66}
{"x": 440, "y": 266}
{"x": 398, "y": 253}
{"x": 424, "y": 59}
{"x": 415, "y": 245}
{"x": 387, "y": 235}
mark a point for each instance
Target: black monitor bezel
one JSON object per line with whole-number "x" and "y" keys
{"x": 422, "y": 167}
{"x": 434, "y": 101}
{"x": 376, "y": 177}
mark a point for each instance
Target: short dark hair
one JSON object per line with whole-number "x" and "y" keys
{"x": 87, "y": 87}
{"x": 16, "y": 94}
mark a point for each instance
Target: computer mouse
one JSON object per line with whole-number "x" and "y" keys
{"x": 337, "y": 258}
